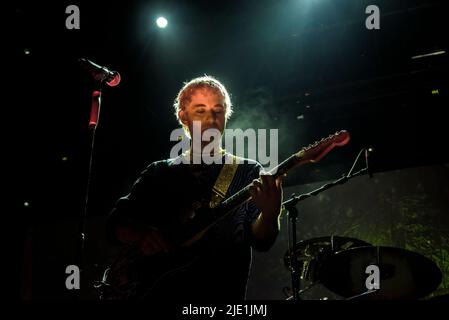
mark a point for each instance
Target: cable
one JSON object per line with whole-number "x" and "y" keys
{"x": 355, "y": 162}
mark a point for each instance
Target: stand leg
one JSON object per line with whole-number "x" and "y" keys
{"x": 292, "y": 216}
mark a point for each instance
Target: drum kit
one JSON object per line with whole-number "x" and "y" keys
{"x": 348, "y": 267}
{"x": 352, "y": 268}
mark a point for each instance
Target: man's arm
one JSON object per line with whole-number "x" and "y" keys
{"x": 128, "y": 221}
{"x": 267, "y": 195}
{"x": 147, "y": 238}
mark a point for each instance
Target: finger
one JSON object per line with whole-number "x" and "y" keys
{"x": 151, "y": 229}
{"x": 158, "y": 242}
{"x": 252, "y": 191}
{"x": 268, "y": 181}
{"x": 257, "y": 184}
{"x": 150, "y": 243}
{"x": 279, "y": 182}
{"x": 148, "y": 247}
{"x": 161, "y": 243}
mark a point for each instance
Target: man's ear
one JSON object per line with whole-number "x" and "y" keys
{"x": 182, "y": 116}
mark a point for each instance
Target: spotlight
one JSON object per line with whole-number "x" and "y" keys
{"x": 161, "y": 22}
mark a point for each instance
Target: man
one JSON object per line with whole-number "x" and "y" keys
{"x": 168, "y": 188}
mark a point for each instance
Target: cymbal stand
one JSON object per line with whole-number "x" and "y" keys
{"x": 290, "y": 206}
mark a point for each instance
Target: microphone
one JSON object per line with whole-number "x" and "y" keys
{"x": 100, "y": 73}
{"x": 368, "y": 152}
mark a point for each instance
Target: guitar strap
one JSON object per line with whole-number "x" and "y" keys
{"x": 223, "y": 182}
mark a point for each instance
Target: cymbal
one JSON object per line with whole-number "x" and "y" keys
{"x": 404, "y": 274}
{"x": 311, "y": 253}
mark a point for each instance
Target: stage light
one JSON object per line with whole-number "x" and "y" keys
{"x": 26, "y": 204}
{"x": 27, "y": 51}
{"x": 161, "y": 22}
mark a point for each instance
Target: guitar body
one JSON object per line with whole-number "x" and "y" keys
{"x": 137, "y": 277}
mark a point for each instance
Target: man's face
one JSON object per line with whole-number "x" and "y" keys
{"x": 207, "y": 107}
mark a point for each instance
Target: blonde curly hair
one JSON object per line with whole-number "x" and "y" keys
{"x": 205, "y": 82}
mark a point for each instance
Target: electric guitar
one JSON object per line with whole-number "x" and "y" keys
{"x": 135, "y": 276}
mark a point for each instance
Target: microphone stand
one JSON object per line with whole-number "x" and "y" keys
{"x": 292, "y": 212}
{"x": 93, "y": 121}
{"x": 290, "y": 206}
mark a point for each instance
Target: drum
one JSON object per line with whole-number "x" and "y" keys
{"x": 311, "y": 254}
{"x": 402, "y": 274}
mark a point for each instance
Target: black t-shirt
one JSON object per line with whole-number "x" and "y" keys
{"x": 163, "y": 190}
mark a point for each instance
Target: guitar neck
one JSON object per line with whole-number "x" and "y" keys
{"x": 243, "y": 195}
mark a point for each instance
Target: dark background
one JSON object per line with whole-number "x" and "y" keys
{"x": 307, "y": 68}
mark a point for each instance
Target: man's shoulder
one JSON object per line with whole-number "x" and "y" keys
{"x": 155, "y": 167}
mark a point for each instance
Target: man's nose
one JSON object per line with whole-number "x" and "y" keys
{"x": 212, "y": 113}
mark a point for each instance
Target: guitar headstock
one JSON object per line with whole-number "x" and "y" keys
{"x": 314, "y": 152}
